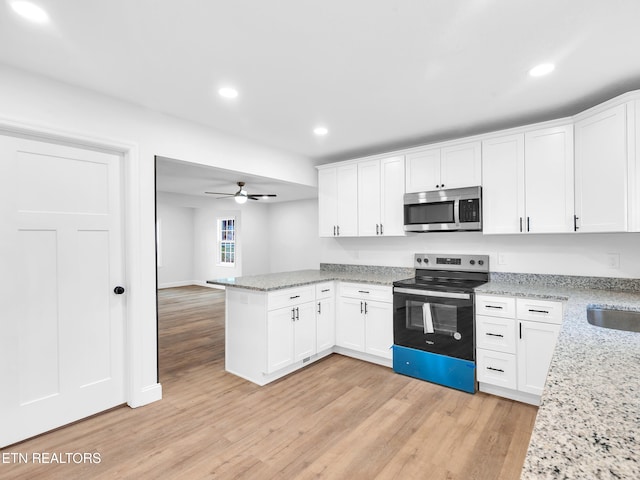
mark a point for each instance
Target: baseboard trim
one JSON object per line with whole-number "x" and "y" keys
{"x": 187, "y": 283}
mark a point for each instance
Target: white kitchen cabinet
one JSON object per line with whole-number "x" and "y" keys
{"x": 364, "y": 322}
{"x": 325, "y": 316}
{"x": 338, "y": 201}
{"x": 536, "y": 343}
{"x": 601, "y": 171}
{"x": 450, "y": 166}
{"x": 378, "y": 328}
{"x": 350, "y": 324}
{"x": 515, "y": 340}
{"x": 503, "y": 184}
{"x": 291, "y": 329}
{"x": 380, "y": 197}
{"x": 528, "y": 182}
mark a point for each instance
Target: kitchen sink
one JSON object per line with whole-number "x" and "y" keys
{"x": 617, "y": 319}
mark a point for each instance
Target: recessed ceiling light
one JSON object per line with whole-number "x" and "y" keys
{"x": 228, "y": 92}
{"x": 542, "y": 69}
{"x": 320, "y": 131}
{"x": 30, "y": 11}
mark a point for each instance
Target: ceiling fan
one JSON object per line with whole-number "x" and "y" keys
{"x": 242, "y": 195}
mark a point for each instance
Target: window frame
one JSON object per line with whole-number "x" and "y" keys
{"x": 223, "y": 242}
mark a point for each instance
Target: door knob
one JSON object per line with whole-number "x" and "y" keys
{"x": 118, "y": 290}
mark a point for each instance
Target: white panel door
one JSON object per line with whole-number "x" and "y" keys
{"x": 62, "y": 342}
{"x": 304, "y": 332}
{"x": 347, "y": 206}
{"x": 536, "y": 344}
{"x": 280, "y": 338}
{"x": 461, "y": 165}
{"x": 422, "y": 170}
{"x": 379, "y": 328}
{"x": 328, "y": 201}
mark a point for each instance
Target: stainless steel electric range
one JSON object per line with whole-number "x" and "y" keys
{"x": 433, "y": 319}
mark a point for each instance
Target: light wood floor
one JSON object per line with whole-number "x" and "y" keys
{"x": 338, "y": 418}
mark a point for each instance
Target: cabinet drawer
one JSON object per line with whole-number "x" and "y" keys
{"x": 290, "y": 296}
{"x": 495, "y": 333}
{"x": 497, "y": 368}
{"x": 494, "y": 306}
{"x": 325, "y": 290}
{"x": 365, "y": 291}
{"x": 539, "y": 310}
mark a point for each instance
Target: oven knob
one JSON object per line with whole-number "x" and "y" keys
{"x": 480, "y": 262}
{"x": 426, "y": 260}
{"x": 419, "y": 260}
{"x": 472, "y": 262}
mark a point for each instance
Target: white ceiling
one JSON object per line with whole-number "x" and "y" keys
{"x": 380, "y": 74}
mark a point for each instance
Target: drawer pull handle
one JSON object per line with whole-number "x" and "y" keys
{"x": 325, "y": 290}
{"x": 494, "y": 306}
{"x": 495, "y": 369}
{"x": 539, "y": 311}
{"x": 494, "y": 334}
{"x": 295, "y": 296}
{"x": 362, "y": 291}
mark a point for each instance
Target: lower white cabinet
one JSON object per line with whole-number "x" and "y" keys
{"x": 514, "y": 352}
{"x": 325, "y": 316}
{"x": 271, "y": 334}
{"x": 364, "y": 321}
{"x": 291, "y": 335}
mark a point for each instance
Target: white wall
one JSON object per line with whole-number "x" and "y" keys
{"x": 293, "y": 232}
{"x": 39, "y": 102}
{"x": 567, "y": 254}
{"x": 175, "y": 252}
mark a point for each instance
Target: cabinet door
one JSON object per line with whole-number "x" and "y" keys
{"x": 379, "y": 329}
{"x": 601, "y": 172}
{"x": 328, "y": 201}
{"x": 461, "y": 165}
{"x": 350, "y": 324}
{"x": 347, "y": 205}
{"x": 369, "y": 198}
{"x": 325, "y": 324}
{"x": 304, "y": 331}
{"x": 536, "y": 344}
{"x": 503, "y": 184}
{"x": 548, "y": 176}
{"x": 280, "y": 338}
{"x": 422, "y": 171}
{"x": 392, "y": 196}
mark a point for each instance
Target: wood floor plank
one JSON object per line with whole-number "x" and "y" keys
{"x": 337, "y": 418}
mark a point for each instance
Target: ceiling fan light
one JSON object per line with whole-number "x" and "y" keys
{"x": 240, "y": 199}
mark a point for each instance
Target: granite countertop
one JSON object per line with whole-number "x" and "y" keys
{"x": 328, "y": 272}
{"x": 588, "y": 425}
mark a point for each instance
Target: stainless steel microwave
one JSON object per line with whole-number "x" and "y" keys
{"x": 455, "y": 209}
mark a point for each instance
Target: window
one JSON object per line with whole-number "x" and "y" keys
{"x": 227, "y": 241}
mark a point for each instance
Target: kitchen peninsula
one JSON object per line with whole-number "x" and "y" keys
{"x": 278, "y": 323}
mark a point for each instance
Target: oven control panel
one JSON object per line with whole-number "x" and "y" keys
{"x": 438, "y": 261}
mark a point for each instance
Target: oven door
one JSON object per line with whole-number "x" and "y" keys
{"x": 437, "y": 322}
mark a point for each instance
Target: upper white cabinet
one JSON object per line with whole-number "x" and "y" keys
{"x": 528, "y": 182}
{"x": 601, "y": 171}
{"x": 548, "y": 173}
{"x": 380, "y": 196}
{"x": 338, "y": 201}
{"x": 452, "y": 166}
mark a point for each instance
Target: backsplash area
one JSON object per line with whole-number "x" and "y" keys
{"x": 588, "y": 255}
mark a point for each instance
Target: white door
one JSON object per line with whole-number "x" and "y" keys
{"x": 461, "y": 165}
{"x": 62, "y": 341}
{"x": 304, "y": 332}
{"x": 536, "y": 344}
{"x": 328, "y": 201}
{"x": 280, "y": 338}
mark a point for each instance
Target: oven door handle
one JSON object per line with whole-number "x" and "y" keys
{"x": 431, "y": 293}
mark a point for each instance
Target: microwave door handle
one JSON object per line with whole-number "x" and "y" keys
{"x": 427, "y": 318}
{"x": 456, "y": 212}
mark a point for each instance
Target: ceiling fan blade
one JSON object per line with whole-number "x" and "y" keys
{"x": 220, "y": 193}
{"x": 262, "y": 195}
